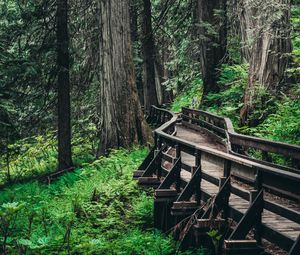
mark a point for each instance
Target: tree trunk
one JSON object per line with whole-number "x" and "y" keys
{"x": 246, "y": 25}
{"x": 63, "y": 87}
{"x": 148, "y": 50}
{"x": 120, "y": 118}
{"x": 212, "y": 33}
{"x": 135, "y": 7}
{"x": 270, "y": 31}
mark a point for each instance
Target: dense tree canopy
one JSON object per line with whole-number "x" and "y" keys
{"x": 78, "y": 78}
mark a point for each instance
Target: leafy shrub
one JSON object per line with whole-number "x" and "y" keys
{"x": 228, "y": 101}
{"x": 35, "y": 156}
{"x": 283, "y": 125}
{"x": 97, "y": 209}
{"x": 191, "y": 92}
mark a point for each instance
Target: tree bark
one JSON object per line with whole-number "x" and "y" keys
{"x": 246, "y": 25}
{"x": 148, "y": 51}
{"x": 135, "y": 7}
{"x": 120, "y": 118}
{"x": 63, "y": 87}
{"x": 212, "y": 31}
{"x": 269, "y": 27}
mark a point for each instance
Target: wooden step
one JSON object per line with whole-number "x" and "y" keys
{"x": 149, "y": 181}
{"x": 204, "y": 224}
{"x": 137, "y": 174}
{"x": 242, "y": 247}
{"x": 184, "y": 208}
{"x": 166, "y": 193}
{"x": 185, "y": 204}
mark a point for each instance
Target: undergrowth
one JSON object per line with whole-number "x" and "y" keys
{"x": 35, "y": 156}
{"x": 190, "y": 96}
{"x": 283, "y": 119}
{"x": 97, "y": 209}
{"x": 228, "y": 102}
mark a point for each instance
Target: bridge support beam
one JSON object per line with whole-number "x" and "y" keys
{"x": 164, "y": 198}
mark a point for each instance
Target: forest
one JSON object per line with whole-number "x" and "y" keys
{"x": 78, "y": 79}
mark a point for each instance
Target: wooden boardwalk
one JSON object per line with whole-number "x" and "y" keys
{"x": 276, "y": 228}
{"x": 215, "y": 169}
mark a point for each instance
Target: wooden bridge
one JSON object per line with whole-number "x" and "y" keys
{"x": 206, "y": 179}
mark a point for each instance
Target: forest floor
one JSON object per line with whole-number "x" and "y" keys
{"x": 97, "y": 209}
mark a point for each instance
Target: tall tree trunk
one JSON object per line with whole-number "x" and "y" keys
{"x": 121, "y": 121}
{"x": 212, "y": 33}
{"x": 64, "y": 105}
{"x": 135, "y": 7}
{"x": 148, "y": 50}
{"x": 133, "y": 13}
{"x": 246, "y": 26}
{"x": 270, "y": 25}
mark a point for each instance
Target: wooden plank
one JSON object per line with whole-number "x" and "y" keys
{"x": 172, "y": 176}
{"x": 185, "y": 204}
{"x": 282, "y": 211}
{"x": 239, "y": 243}
{"x": 210, "y": 178}
{"x": 210, "y": 223}
{"x": 266, "y": 145}
{"x": 147, "y": 160}
{"x": 283, "y": 241}
{"x": 240, "y": 192}
{"x": 246, "y": 223}
{"x": 154, "y": 164}
{"x": 165, "y": 192}
{"x": 282, "y": 234}
{"x": 190, "y": 188}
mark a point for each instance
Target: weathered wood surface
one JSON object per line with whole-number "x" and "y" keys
{"x": 201, "y": 153}
{"x": 215, "y": 168}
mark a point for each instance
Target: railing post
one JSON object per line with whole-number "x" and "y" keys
{"x": 258, "y": 180}
{"x": 295, "y": 163}
{"x": 177, "y": 151}
{"x": 177, "y": 156}
{"x": 266, "y": 156}
{"x": 159, "y": 118}
{"x": 225, "y": 195}
{"x": 198, "y": 185}
{"x": 190, "y": 117}
{"x": 258, "y": 218}
{"x": 178, "y": 179}
{"x": 227, "y": 168}
{"x": 164, "y": 117}
{"x": 158, "y": 167}
{"x": 157, "y": 141}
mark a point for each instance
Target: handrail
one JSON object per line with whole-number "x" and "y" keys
{"x": 260, "y": 176}
{"x": 237, "y": 142}
{"x": 271, "y": 175}
{"x": 172, "y": 118}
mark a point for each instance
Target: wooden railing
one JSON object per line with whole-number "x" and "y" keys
{"x": 260, "y": 175}
{"x": 241, "y": 145}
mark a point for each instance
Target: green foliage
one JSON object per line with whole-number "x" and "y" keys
{"x": 97, "y": 209}
{"x": 295, "y": 23}
{"x": 216, "y": 238}
{"x": 26, "y": 64}
{"x": 189, "y": 97}
{"x": 35, "y": 156}
{"x": 283, "y": 125}
{"x": 142, "y": 211}
{"x": 178, "y": 44}
{"x": 227, "y": 102}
